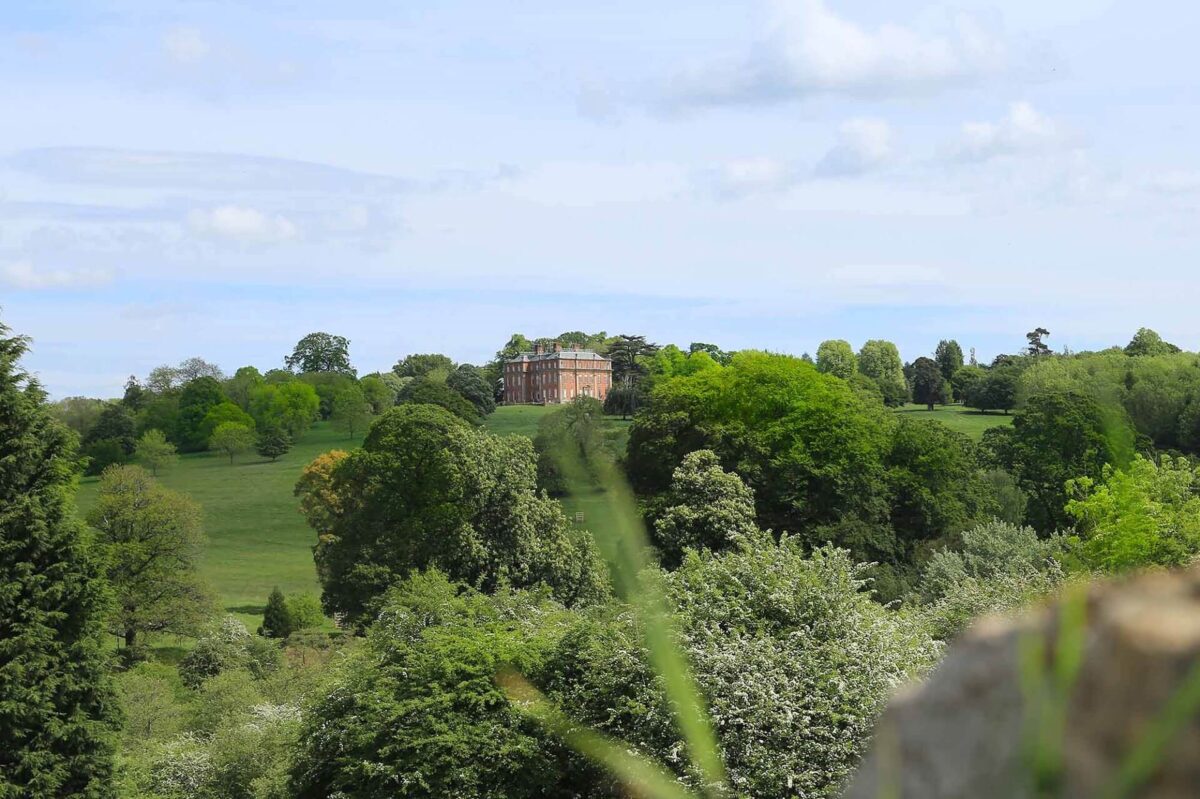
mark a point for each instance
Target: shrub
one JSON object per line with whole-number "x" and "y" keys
{"x": 229, "y": 646}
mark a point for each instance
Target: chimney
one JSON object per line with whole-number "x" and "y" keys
{"x": 538, "y": 349}
{"x": 558, "y": 346}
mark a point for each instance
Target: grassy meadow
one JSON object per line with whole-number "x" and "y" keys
{"x": 956, "y": 417}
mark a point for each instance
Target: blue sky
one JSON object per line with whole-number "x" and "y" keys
{"x": 218, "y": 178}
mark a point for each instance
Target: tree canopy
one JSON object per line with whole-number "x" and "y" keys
{"x": 321, "y": 352}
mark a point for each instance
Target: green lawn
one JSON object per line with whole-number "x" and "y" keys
{"x": 957, "y": 417}
{"x": 257, "y": 537}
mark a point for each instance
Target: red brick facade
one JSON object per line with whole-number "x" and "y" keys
{"x": 557, "y": 376}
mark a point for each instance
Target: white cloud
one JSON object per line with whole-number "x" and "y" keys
{"x": 242, "y": 225}
{"x": 185, "y": 45}
{"x": 23, "y": 275}
{"x": 745, "y": 176}
{"x": 863, "y": 145}
{"x": 812, "y": 50}
{"x": 1024, "y": 130}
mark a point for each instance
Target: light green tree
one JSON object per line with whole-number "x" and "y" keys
{"x": 350, "y": 411}
{"x": 836, "y": 357}
{"x": 232, "y": 439}
{"x": 880, "y": 360}
{"x": 155, "y": 451}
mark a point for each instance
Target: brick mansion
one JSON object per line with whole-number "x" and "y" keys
{"x": 554, "y": 376}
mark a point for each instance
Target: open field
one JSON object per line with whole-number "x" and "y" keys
{"x": 257, "y": 538}
{"x": 957, "y": 417}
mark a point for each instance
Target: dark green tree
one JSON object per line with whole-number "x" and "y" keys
{"x": 1037, "y": 345}
{"x": 277, "y": 621}
{"x": 419, "y": 365}
{"x": 272, "y": 442}
{"x": 1059, "y": 436}
{"x": 435, "y": 392}
{"x": 929, "y": 387}
{"x": 1147, "y": 342}
{"x": 471, "y": 382}
{"x": 111, "y": 439}
{"x": 716, "y": 353}
{"x": 997, "y": 390}
{"x": 627, "y": 353}
{"x": 429, "y": 490}
{"x": 198, "y": 397}
{"x": 135, "y": 396}
{"x": 949, "y": 357}
{"x": 57, "y": 709}
{"x": 321, "y": 352}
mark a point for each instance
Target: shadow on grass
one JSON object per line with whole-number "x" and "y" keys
{"x": 249, "y": 610}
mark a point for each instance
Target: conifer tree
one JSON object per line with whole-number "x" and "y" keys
{"x": 57, "y": 710}
{"x": 277, "y": 621}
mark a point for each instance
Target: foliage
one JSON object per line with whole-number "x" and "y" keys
{"x": 272, "y": 442}
{"x": 836, "y": 357}
{"x": 624, "y": 400}
{"x": 226, "y": 412}
{"x": 232, "y": 439}
{"x": 291, "y": 406}
{"x": 1037, "y": 345}
{"x": 949, "y": 357}
{"x": 78, "y": 413}
{"x": 111, "y": 439}
{"x": 997, "y": 391}
{"x": 426, "y": 490}
{"x": 1145, "y": 515}
{"x": 966, "y": 380}
{"x": 227, "y": 647}
{"x": 705, "y": 508}
{"x": 470, "y": 382}
{"x": 629, "y": 354}
{"x": 578, "y": 426}
{"x": 1147, "y": 342}
{"x": 155, "y": 451}
{"x": 304, "y": 611}
{"x": 101, "y": 454}
{"x": 794, "y": 658}
{"x": 418, "y": 707}
{"x": 809, "y": 448}
{"x": 435, "y": 392}
{"x": 420, "y": 365}
{"x": 929, "y": 387}
{"x": 671, "y": 361}
{"x": 56, "y": 701}
{"x": 319, "y": 501}
{"x": 151, "y": 538}
{"x": 277, "y": 622}
{"x": 243, "y": 383}
{"x": 1057, "y": 437}
{"x": 328, "y": 385}
{"x": 350, "y": 411}
{"x": 198, "y": 397}
{"x": 999, "y": 567}
{"x": 880, "y": 361}
{"x": 382, "y": 396}
{"x": 321, "y": 352}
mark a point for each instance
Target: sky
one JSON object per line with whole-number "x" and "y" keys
{"x": 218, "y": 178}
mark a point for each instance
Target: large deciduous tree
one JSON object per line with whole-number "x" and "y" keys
{"x": 155, "y": 450}
{"x": 426, "y": 391}
{"x": 929, "y": 387}
{"x": 428, "y": 490}
{"x": 56, "y": 702}
{"x": 706, "y": 508}
{"x": 198, "y": 397}
{"x": 350, "y": 412}
{"x": 421, "y": 364}
{"x": 232, "y": 439}
{"x": 151, "y": 538}
{"x": 949, "y": 357}
{"x": 321, "y": 352}
{"x": 470, "y": 381}
{"x": 880, "y": 360}
{"x": 836, "y": 357}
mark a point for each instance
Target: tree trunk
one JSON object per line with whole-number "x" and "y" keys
{"x": 130, "y": 637}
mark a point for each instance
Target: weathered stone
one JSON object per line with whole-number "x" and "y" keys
{"x": 968, "y": 730}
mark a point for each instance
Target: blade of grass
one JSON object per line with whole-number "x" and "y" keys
{"x": 640, "y": 775}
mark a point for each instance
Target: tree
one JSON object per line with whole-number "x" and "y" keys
{"x": 321, "y": 352}
{"x": 836, "y": 357}
{"x": 966, "y": 382}
{"x": 232, "y": 439}
{"x": 429, "y": 490}
{"x": 1037, "y": 345}
{"x": 706, "y": 508}
{"x": 996, "y": 391}
{"x": 380, "y": 394}
{"x": 222, "y": 413}
{"x": 239, "y": 387}
{"x": 277, "y": 621}
{"x": 272, "y": 442}
{"x": 111, "y": 439}
{"x": 292, "y": 406}
{"x": 155, "y": 451}
{"x": 575, "y": 429}
{"x": 469, "y": 381}
{"x": 350, "y": 412}
{"x": 1147, "y": 342}
{"x": 198, "y": 397}
{"x": 627, "y": 354}
{"x": 78, "y": 413}
{"x": 623, "y": 400}
{"x": 425, "y": 391}
{"x": 1056, "y": 437}
{"x": 194, "y": 368}
{"x": 421, "y": 365}
{"x": 227, "y": 647}
{"x": 928, "y": 385}
{"x": 1145, "y": 515}
{"x": 319, "y": 500}
{"x": 419, "y": 702}
{"x": 151, "y": 538}
{"x": 949, "y": 357}
{"x": 880, "y": 361}
{"x": 135, "y": 396}
{"x": 56, "y": 700}
{"x": 716, "y": 353}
